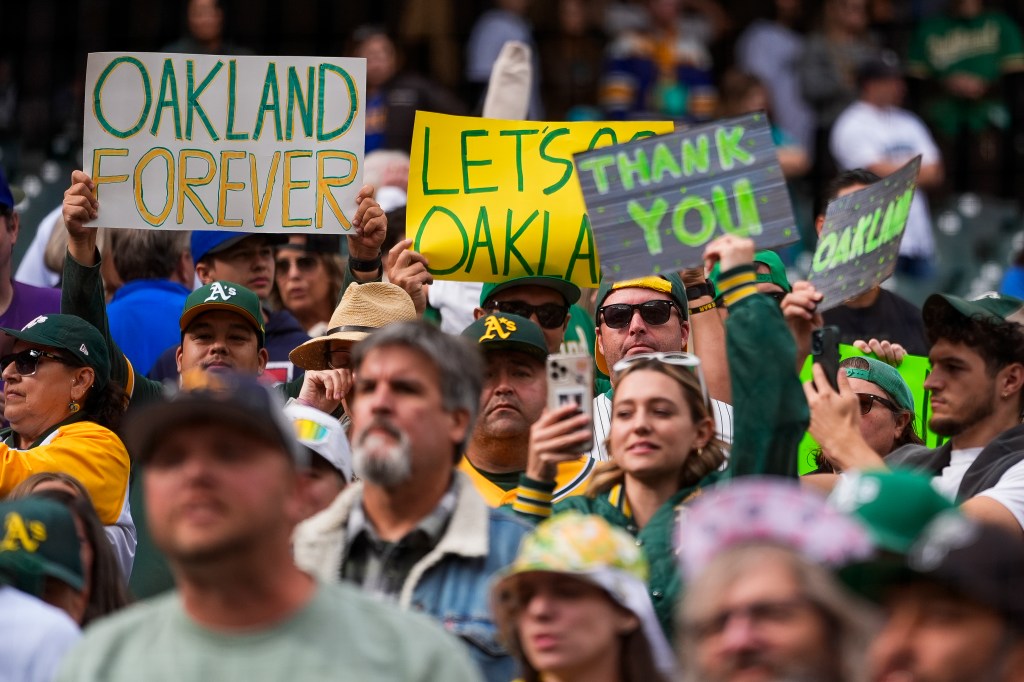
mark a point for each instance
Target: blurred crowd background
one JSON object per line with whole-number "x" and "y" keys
{"x": 688, "y": 60}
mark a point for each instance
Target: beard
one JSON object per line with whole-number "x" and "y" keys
{"x": 972, "y": 414}
{"x": 803, "y": 671}
{"x": 383, "y": 459}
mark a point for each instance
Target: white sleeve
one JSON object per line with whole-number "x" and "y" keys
{"x": 853, "y": 144}
{"x": 123, "y": 539}
{"x": 32, "y": 270}
{"x": 1009, "y": 492}
{"x": 925, "y": 143}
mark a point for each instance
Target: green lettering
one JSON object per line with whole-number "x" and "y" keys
{"x": 467, "y": 162}
{"x": 642, "y": 135}
{"x": 746, "y": 209}
{"x": 729, "y": 149}
{"x": 638, "y": 167}
{"x": 269, "y": 102}
{"x": 707, "y": 221}
{"x": 232, "y": 81}
{"x": 353, "y": 102}
{"x": 696, "y": 159}
{"x": 597, "y": 166}
{"x": 462, "y": 232}
{"x": 842, "y": 252}
{"x": 510, "y": 242}
{"x": 426, "y": 165}
{"x": 649, "y": 222}
{"x": 857, "y": 243}
{"x": 590, "y": 255}
{"x": 664, "y": 163}
{"x": 97, "y": 98}
{"x": 887, "y": 227}
{"x": 597, "y": 138}
{"x": 871, "y": 222}
{"x": 483, "y": 227}
{"x": 305, "y": 105}
{"x": 823, "y": 254}
{"x": 544, "y": 245}
{"x": 518, "y": 134}
{"x": 194, "y": 108}
{"x": 566, "y": 164}
{"x": 168, "y": 99}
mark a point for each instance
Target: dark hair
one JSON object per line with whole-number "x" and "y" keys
{"x": 736, "y": 85}
{"x": 106, "y": 406}
{"x": 362, "y": 34}
{"x": 849, "y": 178}
{"x": 396, "y": 229}
{"x": 998, "y": 344}
{"x": 147, "y": 254}
{"x": 107, "y": 591}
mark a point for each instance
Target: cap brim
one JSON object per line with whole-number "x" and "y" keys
{"x": 192, "y": 313}
{"x": 144, "y": 429}
{"x": 569, "y": 291}
{"x": 312, "y": 353}
{"x": 522, "y": 347}
{"x": 273, "y": 239}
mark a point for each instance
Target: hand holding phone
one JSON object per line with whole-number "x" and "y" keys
{"x": 825, "y": 352}
{"x": 571, "y": 382}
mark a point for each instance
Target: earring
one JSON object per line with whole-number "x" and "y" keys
{"x": 74, "y": 406}
{"x": 700, "y": 451}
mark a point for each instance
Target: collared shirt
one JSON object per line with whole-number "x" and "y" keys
{"x": 381, "y": 567}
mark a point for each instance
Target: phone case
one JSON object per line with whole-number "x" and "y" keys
{"x": 571, "y": 381}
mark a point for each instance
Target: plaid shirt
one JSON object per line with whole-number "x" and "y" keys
{"x": 381, "y": 567}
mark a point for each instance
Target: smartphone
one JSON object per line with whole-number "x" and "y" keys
{"x": 571, "y": 382}
{"x": 825, "y": 352}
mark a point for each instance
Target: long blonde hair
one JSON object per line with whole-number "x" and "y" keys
{"x": 698, "y": 463}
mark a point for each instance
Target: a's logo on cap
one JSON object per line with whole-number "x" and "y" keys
{"x": 219, "y": 292}
{"x": 497, "y": 327}
{"x": 38, "y": 320}
{"x": 85, "y": 351}
{"x": 17, "y": 534}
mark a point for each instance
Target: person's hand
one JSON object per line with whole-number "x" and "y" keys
{"x": 888, "y": 352}
{"x": 800, "y": 310}
{"x": 408, "y": 269}
{"x": 80, "y": 207}
{"x": 555, "y": 438}
{"x": 693, "y": 276}
{"x": 324, "y": 389}
{"x": 835, "y": 422}
{"x": 729, "y": 251}
{"x": 370, "y": 226}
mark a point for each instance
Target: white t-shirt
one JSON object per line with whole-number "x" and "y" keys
{"x": 864, "y": 135}
{"x": 34, "y": 637}
{"x": 456, "y": 302}
{"x": 722, "y": 413}
{"x": 1009, "y": 491}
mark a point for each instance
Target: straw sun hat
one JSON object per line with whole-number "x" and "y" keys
{"x": 364, "y": 309}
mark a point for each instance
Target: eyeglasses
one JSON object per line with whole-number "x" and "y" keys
{"x": 867, "y": 401}
{"x": 678, "y": 358}
{"x": 549, "y": 315}
{"x": 303, "y": 263}
{"x": 27, "y": 361}
{"x": 759, "y": 613}
{"x": 338, "y": 359}
{"x": 619, "y": 315}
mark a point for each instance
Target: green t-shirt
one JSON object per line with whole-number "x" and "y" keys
{"x": 340, "y": 634}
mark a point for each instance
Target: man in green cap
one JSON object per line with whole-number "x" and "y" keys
{"x": 550, "y": 302}
{"x": 976, "y": 384}
{"x": 514, "y": 396}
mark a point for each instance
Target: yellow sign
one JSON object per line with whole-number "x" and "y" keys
{"x": 490, "y": 200}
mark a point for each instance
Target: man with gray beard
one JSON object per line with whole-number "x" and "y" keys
{"x": 414, "y": 530}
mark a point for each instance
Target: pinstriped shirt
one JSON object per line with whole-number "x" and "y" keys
{"x": 722, "y": 413}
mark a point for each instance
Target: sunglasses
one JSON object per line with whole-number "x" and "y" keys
{"x": 27, "y": 361}
{"x": 549, "y": 315}
{"x": 687, "y": 361}
{"x": 868, "y": 400}
{"x": 619, "y": 315}
{"x": 338, "y": 359}
{"x": 303, "y": 263}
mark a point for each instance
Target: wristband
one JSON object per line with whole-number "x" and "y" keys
{"x": 365, "y": 265}
{"x": 703, "y": 308}
{"x": 705, "y": 288}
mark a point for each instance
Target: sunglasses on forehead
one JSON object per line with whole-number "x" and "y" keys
{"x": 619, "y": 315}
{"x": 688, "y": 361}
{"x": 549, "y": 315}
{"x": 27, "y": 361}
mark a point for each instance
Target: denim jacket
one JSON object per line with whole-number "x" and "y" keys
{"x": 451, "y": 583}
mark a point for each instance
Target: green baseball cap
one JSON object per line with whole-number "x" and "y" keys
{"x": 569, "y": 291}
{"x": 228, "y": 296}
{"x": 776, "y": 271}
{"x": 39, "y": 541}
{"x": 894, "y": 506}
{"x": 504, "y": 331}
{"x": 671, "y": 284}
{"x": 72, "y": 334}
{"x": 886, "y": 378}
{"x": 991, "y": 307}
